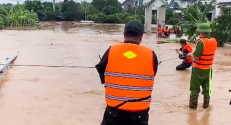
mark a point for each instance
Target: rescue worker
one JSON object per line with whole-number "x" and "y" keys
{"x": 183, "y": 52}
{"x": 166, "y": 31}
{"x": 177, "y": 31}
{"x": 202, "y": 66}
{"x": 160, "y": 31}
{"x": 127, "y": 71}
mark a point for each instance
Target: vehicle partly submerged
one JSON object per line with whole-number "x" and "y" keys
{"x": 4, "y": 65}
{"x": 86, "y": 22}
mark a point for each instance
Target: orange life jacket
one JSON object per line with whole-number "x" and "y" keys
{"x": 166, "y": 30}
{"x": 129, "y": 76}
{"x": 160, "y": 29}
{"x": 188, "y": 47}
{"x": 206, "y": 59}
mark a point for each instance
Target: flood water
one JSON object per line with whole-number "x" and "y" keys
{"x": 75, "y": 96}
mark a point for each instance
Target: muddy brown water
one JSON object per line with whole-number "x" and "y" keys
{"x": 74, "y": 96}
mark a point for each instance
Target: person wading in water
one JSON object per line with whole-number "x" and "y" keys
{"x": 127, "y": 71}
{"x": 183, "y": 51}
{"x": 202, "y": 66}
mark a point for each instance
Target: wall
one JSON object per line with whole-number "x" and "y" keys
{"x": 161, "y": 15}
{"x": 148, "y": 20}
{"x": 217, "y": 11}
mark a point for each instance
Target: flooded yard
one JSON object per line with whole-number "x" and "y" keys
{"x": 75, "y": 96}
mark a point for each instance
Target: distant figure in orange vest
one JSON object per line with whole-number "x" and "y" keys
{"x": 177, "y": 31}
{"x": 166, "y": 31}
{"x": 127, "y": 71}
{"x": 183, "y": 52}
{"x": 160, "y": 31}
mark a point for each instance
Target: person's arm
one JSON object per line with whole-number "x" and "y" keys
{"x": 155, "y": 62}
{"x": 101, "y": 66}
{"x": 199, "y": 50}
{"x": 185, "y": 51}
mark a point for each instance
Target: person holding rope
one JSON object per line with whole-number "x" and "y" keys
{"x": 127, "y": 71}
{"x": 183, "y": 52}
{"x": 202, "y": 66}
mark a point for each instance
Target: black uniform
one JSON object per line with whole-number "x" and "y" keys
{"x": 112, "y": 115}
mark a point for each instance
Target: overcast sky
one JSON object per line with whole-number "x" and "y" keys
{"x": 21, "y": 1}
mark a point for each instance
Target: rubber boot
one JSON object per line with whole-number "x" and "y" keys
{"x": 193, "y": 103}
{"x": 206, "y": 103}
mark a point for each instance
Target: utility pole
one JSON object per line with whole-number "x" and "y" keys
{"x": 54, "y": 5}
{"x": 86, "y": 10}
{"x": 135, "y": 12}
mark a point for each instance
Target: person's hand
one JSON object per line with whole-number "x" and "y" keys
{"x": 190, "y": 54}
{"x": 177, "y": 50}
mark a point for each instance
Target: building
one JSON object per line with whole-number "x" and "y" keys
{"x": 174, "y": 5}
{"x": 128, "y": 4}
{"x": 154, "y": 8}
{"x": 221, "y": 4}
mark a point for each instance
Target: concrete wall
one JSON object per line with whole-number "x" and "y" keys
{"x": 148, "y": 20}
{"x": 161, "y": 15}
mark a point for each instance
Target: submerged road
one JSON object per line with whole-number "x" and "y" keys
{"x": 74, "y": 96}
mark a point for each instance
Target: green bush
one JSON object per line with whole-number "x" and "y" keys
{"x": 221, "y": 27}
{"x": 115, "y": 18}
{"x": 112, "y": 19}
{"x": 71, "y": 11}
{"x": 1, "y": 22}
{"x": 108, "y": 10}
{"x": 173, "y": 21}
{"x": 52, "y": 15}
{"x": 20, "y": 16}
{"x": 154, "y": 20}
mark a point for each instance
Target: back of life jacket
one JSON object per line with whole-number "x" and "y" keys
{"x": 129, "y": 77}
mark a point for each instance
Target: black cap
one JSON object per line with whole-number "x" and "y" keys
{"x": 134, "y": 28}
{"x": 183, "y": 41}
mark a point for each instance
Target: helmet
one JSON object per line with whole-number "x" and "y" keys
{"x": 204, "y": 28}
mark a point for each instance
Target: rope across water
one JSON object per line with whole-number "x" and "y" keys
{"x": 57, "y": 66}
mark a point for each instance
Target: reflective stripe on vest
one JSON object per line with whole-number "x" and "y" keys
{"x": 129, "y": 77}
{"x": 188, "y": 47}
{"x": 126, "y": 98}
{"x": 207, "y": 56}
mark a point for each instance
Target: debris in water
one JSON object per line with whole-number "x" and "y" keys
{"x": 117, "y": 41}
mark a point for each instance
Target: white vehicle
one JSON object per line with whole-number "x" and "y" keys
{"x": 86, "y": 22}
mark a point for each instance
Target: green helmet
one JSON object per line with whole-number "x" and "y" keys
{"x": 204, "y": 28}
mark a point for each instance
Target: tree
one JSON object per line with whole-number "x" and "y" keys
{"x": 195, "y": 14}
{"x": 37, "y": 7}
{"x": 221, "y": 27}
{"x": 108, "y": 10}
{"x": 169, "y": 14}
{"x": 116, "y": 4}
{"x": 100, "y": 4}
{"x": 5, "y": 8}
{"x": 71, "y": 10}
{"x": 20, "y": 16}
{"x": 51, "y": 14}
{"x": 172, "y": 18}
